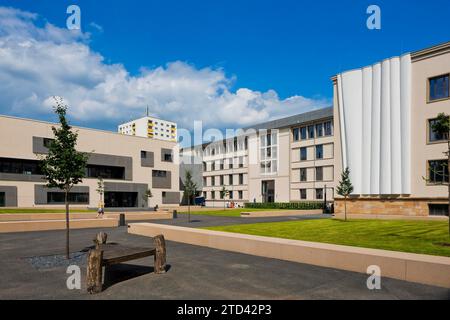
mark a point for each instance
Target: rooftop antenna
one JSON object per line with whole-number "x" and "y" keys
{"x": 147, "y": 110}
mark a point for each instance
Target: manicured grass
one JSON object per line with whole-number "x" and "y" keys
{"x": 423, "y": 237}
{"x": 222, "y": 213}
{"x": 44, "y": 211}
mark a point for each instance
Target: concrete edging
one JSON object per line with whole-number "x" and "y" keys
{"x": 129, "y": 216}
{"x": 424, "y": 269}
{"x": 46, "y": 225}
{"x": 340, "y": 216}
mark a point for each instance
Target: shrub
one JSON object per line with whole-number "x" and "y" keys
{"x": 286, "y": 205}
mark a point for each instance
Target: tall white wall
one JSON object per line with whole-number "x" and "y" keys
{"x": 375, "y": 112}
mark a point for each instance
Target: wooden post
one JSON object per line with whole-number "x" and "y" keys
{"x": 100, "y": 239}
{"x": 94, "y": 271}
{"x": 160, "y": 255}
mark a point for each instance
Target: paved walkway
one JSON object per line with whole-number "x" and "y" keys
{"x": 195, "y": 273}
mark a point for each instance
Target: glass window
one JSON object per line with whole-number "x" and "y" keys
{"x": 221, "y": 180}
{"x": 73, "y": 197}
{"x": 213, "y": 195}
{"x": 433, "y": 135}
{"x": 213, "y": 181}
{"x": 303, "y": 175}
{"x": 19, "y": 166}
{"x": 48, "y": 142}
{"x": 2, "y": 199}
{"x": 319, "y": 194}
{"x": 240, "y": 195}
{"x": 159, "y": 174}
{"x": 303, "y": 154}
{"x": 303, "y": 134}
{"x": 319, "y": 151}
{"x": 328, "y": 128}
{"x": 439, "y": 87}
{"x": 230, "y": 179}
{"x": 230, "y": 195}
{"x": 241, "y": 178}
{"x": 319, "y": 173}
{"x": 319, "y": 130}
{"x": 438, "y": 171}
{"x": 105, "y": 172}
{"x": 296, "y": 134}
{"x": 311, "y": 132}
{"x": 303, "y": 194}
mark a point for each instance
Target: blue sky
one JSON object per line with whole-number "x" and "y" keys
{"x": 271, "y": 58}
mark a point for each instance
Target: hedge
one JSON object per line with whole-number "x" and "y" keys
{"x": 286, "y": 205}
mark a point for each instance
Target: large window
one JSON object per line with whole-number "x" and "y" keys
{"x": 319, "y": 174}
{"x": 230, "y": 179}
{"x": 121, "y": 199}
{"x": 303, "y": 133}
{"x": 240, "y": 195}
{"x": 269, "y": 152}
{"x": 433, "y": 135}
{"x": 439, "y": 87}
{"x": 310, "y": 132}
{"x": 296, "y": 134}
{"x": 159, "y": 174}
{"x": 303, "y": 154}
{"x": 328, "y": 127}
{"x": 241, "y": 178}
{"x": 2, "y": 199}
{"x": 105, "y": 172}
{"x": 319, "y": 151}
{"x": 438, "y": 171}
{"x": 319, "y": 194}
{"x": 438, "y": 209}
{"x": 303, "y": 175}
{"x": 20, "y": 166}
{"x": 319, "y": 130}
{"x": 303, "y": 194}
{"x": 73, "y": 197}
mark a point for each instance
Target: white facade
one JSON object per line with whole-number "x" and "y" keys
{"x": 149, "y": 127}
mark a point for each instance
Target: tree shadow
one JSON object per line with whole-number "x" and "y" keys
{"x": 122, "y": 272}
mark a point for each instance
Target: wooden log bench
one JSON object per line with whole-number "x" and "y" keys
{"x": 104, "y": 255}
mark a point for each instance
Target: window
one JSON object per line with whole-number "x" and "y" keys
{"x": 303, "y": 194}
{"x": 319, "y": 174}
{"x": 319, "y": 194}
{"x": 319, "y": 151}
{"x": 438, "y": 171}
{"x": 241, "y": 178}
{"x": 319, "y": 130}
{"x": 48, "y": 142}
{"x": 240, "y": 195}
{"x": 241, "y": 162}
{"x": 296, "y": 134}
{"x": 328, "y": 128}
{"x": 303, "y": 154}
{"x": 73, "y": 197}
{"x": 213, "y": 181}
{"x": 221, "y": 181}
{"x": 221, "y": 165}
{"x": 311, "y": 132}
{"x": 143, "y": 154}
{"x": 20, "y": 166}
{"x": 439, "y": 88}
{"x": 2, "y": 199}
{"x": 105, "y": 172}
{"x": 303, "y": 134}
{"x": 438, "y": 209}
{"x": 204, "y": 181}
{"x": 205, "y": 168}
{"x": 222, "y": 195}
{"x": 433, "y": 135}
{"x": 230, "y": 163}
{"x": 121, "y": 199}
{"x": 213, "y": 166}
{"x": 213, "y": 195}
{"x": 303, "y": 175}
{"x": 159, "y": 174}
{"x": 230, "y": 194}
{"x": 230, "y": 179}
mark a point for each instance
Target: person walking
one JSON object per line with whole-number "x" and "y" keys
{"x": 101, "y": 209}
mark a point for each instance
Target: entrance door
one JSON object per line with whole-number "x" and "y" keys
{"x": 268, "y": 191}
{"x": 2, "y": 199}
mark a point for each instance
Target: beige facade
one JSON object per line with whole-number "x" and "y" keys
{"x": 424, "y": 197}
{"x": 263, "y": 164}
{"x": 130, "y": 165}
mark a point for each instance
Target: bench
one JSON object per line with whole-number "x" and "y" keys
{"x": 104, "y": 255}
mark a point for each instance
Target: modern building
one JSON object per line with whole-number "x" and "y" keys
{"x": 150, "y": 127}
{"x": 383, "y": 128}
{"x": 129, "y": 165}
{"x": 286, "y": 160}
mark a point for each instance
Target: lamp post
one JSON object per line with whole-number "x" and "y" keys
{"x": 325, "y": 199}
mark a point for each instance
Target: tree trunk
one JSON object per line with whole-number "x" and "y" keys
{"x": 345, "y": 208}
{"x": 160, "y": 254}
{"x": 189, "y": 209}
{"x": 66, "y": 199}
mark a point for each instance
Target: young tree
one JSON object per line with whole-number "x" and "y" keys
{"x": 345, "y": 188}
{"x": 442, "y": 128}
{"x": 224, "y": 193}
{"x": 100, "y": 189}
{"x": 63, "y": 166}
{"x": 146, "y": 196}
{"x": 190, "y": 188}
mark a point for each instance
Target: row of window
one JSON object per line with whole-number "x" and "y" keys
{"x": 318, "y": 174}
{"x": 221, "y": 166}
{"x": 230, "y": 195}
{"x": 166, "y": 156}
{"x": 319, "y": 194}
{"x": 318, "y": 130}
{"x": 234, "y": 145}
{"x": 221, "y": 180}
{"x": 318, "y": 149}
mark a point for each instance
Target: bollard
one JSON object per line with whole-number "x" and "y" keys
{"x": 122, "y": 222}
{"x": 175, "y": 214}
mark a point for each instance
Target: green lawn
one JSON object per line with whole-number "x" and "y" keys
{"x": 223, "y": 213}
{"x": 424, "y": 237}
{"x": 44, "y": 211}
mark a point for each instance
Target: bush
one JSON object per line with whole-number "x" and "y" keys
{"x": 286, "y": 205}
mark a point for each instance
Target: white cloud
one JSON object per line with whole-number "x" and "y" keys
{"x": 37, "y": 62}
